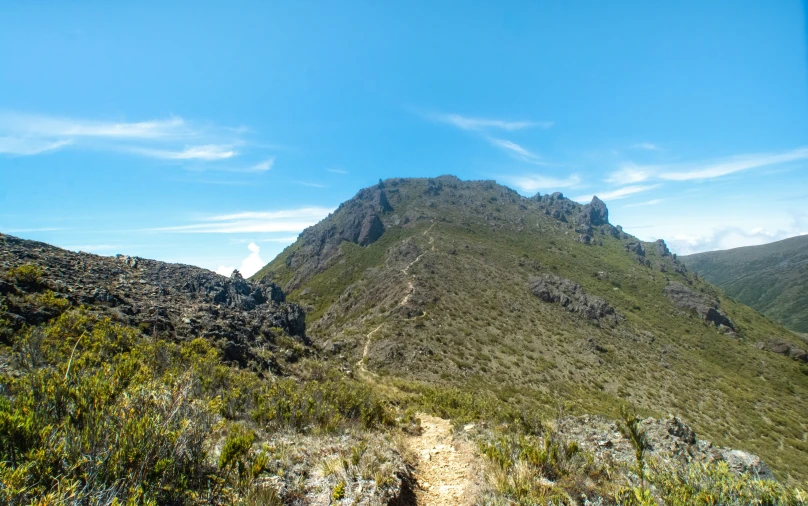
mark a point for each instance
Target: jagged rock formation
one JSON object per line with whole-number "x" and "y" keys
{"x": 594, "y": 214}
{"x": 670, "y": 441}
{"x": 170, "y": 300}
{"x": 571, "y": 296}
{"x": 357, "y": 221}
{"x": 702, "y": 304}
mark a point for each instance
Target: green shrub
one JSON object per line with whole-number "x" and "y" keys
{"x": 25, "y": 274}
{"x": 235, "y": 449}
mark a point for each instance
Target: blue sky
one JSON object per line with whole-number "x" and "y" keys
{"x": 212, "y": 133}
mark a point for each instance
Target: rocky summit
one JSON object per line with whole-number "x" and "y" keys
{"x": 540, "y": 300}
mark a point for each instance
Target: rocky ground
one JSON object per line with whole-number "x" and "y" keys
{"x": 168, "y": 300}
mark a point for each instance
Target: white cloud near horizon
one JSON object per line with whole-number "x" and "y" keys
{"x": 728, "y": 238}
{"x": 534, "y": 182}
{"x": 289, "y": 220}
{"x": 249, "y": 266}
{"x": 618, "y": 193}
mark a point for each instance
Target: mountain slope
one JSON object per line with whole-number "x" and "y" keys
{"x": 472, "y": 293}
{"x": 772, "y": 278}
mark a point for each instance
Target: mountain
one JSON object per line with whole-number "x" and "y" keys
{"x": 432, "y": 342}
{"x": 465, "y": 288}
{"x": 772, "y": 278}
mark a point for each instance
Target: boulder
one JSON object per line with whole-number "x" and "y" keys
{"x": 785, "y": 348}
{"x": 702, "y": 304}
{"x": 571, "y": 296}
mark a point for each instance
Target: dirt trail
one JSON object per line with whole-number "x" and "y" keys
{"x": 447, "y": 468}
{"x": 410, "y": 290}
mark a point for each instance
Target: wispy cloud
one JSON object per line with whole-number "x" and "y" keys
{"x": 730, "y": 165}
{"x": 516, "y": 151}
{"x": 629, "y": 174}
{"x": 534, "y": 182}
{"x": 264, "y": 166}
{"x": 289, "y": 220}
{"x": 206, "y": 153}
{"x": 25, "y": 147}
{"x": 38, "y": 126}
{"x": 617, "y": 194}
{"x": 482, "y": 126}
{"x": 646, "y": 203}
{"x": 311, "y": 185}
{"x": 472, "y": 123}
{"x": 337, "y": 171}
{"x": 648, "y": 146}
{"x": 172, "y": 138}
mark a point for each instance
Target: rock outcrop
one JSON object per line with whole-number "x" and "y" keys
{"x": 357, "y": 220}
{"x": 636, "y": 248}
{"x": 571, "y": 296}
{"x": 662, "y": 248}
{"x": 669, "y": 441}
{"x": 702, "y": 304}
{"x": 168, "y": 300}
{"x": 785, "y": 348}
{"x": 594, "y": 214}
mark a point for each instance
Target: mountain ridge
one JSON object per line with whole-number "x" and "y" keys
{"x": 772, "y": 278}
{"x": 464, "y": 315}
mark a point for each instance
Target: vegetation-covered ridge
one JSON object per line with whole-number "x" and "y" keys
{"x": 125, "y": 380}
{"x": 540, "y": 301}
{"x": 772, "y": 278}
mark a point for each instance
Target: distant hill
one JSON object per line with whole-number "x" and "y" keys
{"x": 539, "y": 302}
{"x": 772, "y": 278}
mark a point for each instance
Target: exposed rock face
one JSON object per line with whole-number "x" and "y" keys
{"x": 785, "y": 348}
{"x": 662, "y": 248}
{"x": 594, "y": 214}
{"x": 171, "y": 300}
{"x": 357, "y": 220}
{"x": 669, "y": 440}
{"x": 636, "y": 248}
{"x": 704, "y": 305}
{"x": 372, "y": 229}
{"x": 571, "y": 296}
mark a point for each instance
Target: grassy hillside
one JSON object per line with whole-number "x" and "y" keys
{"x": 441, "y": 305}
{"x": 772, "y": 278}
